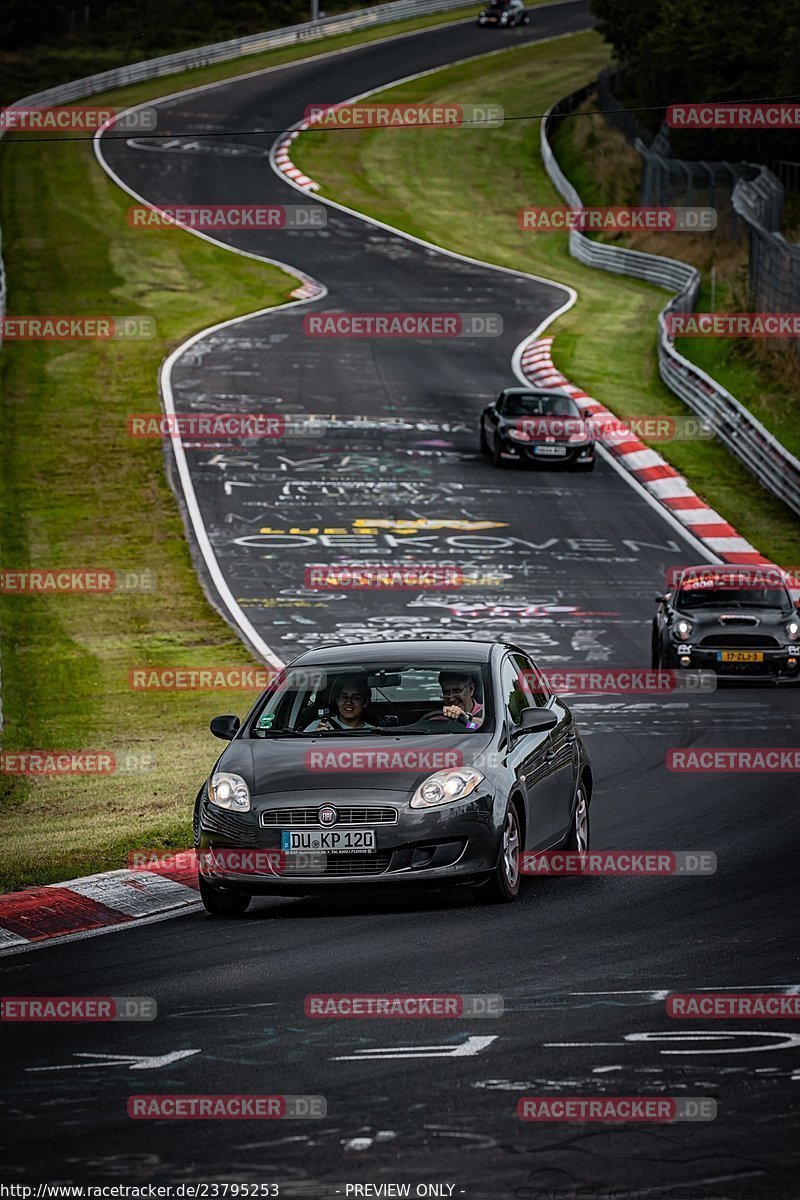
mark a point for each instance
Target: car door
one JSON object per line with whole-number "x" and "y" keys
{"x": 562, "y": 753}
{"x": 528, "y": 756}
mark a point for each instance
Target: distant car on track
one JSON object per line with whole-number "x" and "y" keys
{"x": 504, "y": 14}
{"x": 738, "y": 621}
{"x": 347, "y": 772}
{"x": 533, "y": 425}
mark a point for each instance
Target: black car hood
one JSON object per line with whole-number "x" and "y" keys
{"x": 718, "y": 619}
{"x": 280, "y": 765}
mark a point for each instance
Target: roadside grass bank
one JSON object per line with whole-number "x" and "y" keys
{"x": 462, "y": 189}
{"x": 761, "y": 373}
{"x": 77, "y": 492}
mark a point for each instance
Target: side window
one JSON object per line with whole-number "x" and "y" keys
{"x": 511, "y": 686}
{"x": 531, "y": 682}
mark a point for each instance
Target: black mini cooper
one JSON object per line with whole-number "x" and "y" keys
{"x": 394, "y": 763}
{"x": 739, "y": 621}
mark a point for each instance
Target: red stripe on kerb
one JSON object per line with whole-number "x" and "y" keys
{"x": 647, "y": 474}
{"x": 47, "y": 912}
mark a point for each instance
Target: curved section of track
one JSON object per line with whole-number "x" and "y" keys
{"x": 568, "y": 567}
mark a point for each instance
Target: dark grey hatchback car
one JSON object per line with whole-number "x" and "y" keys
{"x": 400, "y": 763}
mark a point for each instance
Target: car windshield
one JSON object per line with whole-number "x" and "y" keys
{"x": 691, "y": 597}
{"x": 533, "y": 404}
{"x": 404, "y": 697}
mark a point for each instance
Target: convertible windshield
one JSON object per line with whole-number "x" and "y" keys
{"x": 368, "y": 698}
{"x": 731, "y": 597}
{"x": 533, "y": 404}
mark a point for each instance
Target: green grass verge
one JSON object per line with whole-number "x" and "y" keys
{"x": 77, "y": 491}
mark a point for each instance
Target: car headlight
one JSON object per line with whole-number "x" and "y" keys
{"x": 683, "y": 629}
{"x": 446, "y": 786}
{"x": 793, "y": 630}
{"x": 518, "y": 435}
{"x": 229, "y": 791}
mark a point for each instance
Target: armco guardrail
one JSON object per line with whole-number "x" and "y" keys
{"x": 732, "y": 423}
{"x": 204, "y": 56}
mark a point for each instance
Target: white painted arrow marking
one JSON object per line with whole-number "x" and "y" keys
{"x": 472, "y": 1046}
{"x": 135, "y": 1062}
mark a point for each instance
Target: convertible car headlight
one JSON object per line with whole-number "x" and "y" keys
{"x": 446, "y": 786}
{"x": 518, "y": 435}
{"x": 229, "y": 791}
{"x": 792, "y": 630}
{"x": 683, "y": 629}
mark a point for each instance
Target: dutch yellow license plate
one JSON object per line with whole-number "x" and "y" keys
{"x": 740, "y": 656}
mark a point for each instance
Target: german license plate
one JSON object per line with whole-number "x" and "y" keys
{"x": 330, "y": 841}
{"x": 740, "y": 656}
{"x": 550, "y": 451}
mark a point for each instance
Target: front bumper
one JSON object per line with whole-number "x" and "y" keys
{"x": 779, "y": 665}
{"x": 569, "y": 452}
{"x": 457, "y": 843}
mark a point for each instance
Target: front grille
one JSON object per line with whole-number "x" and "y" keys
{"x": 349, "y": 815}
{"x": 226, "y": 823}
{"x": 339, "y": 865}
{"x": 739, "y": 641}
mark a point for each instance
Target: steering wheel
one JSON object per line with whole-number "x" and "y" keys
{"x": 437, "y": 718}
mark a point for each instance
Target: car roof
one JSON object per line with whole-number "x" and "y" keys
{"x": 433, "y": 650}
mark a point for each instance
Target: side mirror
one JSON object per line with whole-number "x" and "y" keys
{"x": 225, "y": 727}
{"x": 535, "y": 720}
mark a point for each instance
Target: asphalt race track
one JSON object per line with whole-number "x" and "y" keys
{"x": 571, "y": 564}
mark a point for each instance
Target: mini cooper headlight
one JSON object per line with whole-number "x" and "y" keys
{"x": 793, "y": 630}
{"x": 446, "y": 786}
{"x": 229, "y": 791}
{"x": 683, "y": 629}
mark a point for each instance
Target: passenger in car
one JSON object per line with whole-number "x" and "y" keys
{"x": 351, "y": 698}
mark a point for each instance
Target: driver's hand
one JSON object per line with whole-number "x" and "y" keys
{"x": 454, "y": 711}
{"x": 324, "y": 726}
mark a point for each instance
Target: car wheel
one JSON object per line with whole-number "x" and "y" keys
{"x": 655, "y": 652}
{"x": 503, "y": 887}
{"x": 222, "y": 904}
{"x": 579, "y": 835}
{"x": 497, "y": 459}
{"x": 483, "y": 445}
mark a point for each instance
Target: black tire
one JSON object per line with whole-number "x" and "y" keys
{"x": 223, "y": 904}
{"x": 579, "y": 836}
{"x": 483, "y": 445}
{"x": 655, "y": 652}
{"x": 503, "y": 887}
{"x": 497, "y": 460}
